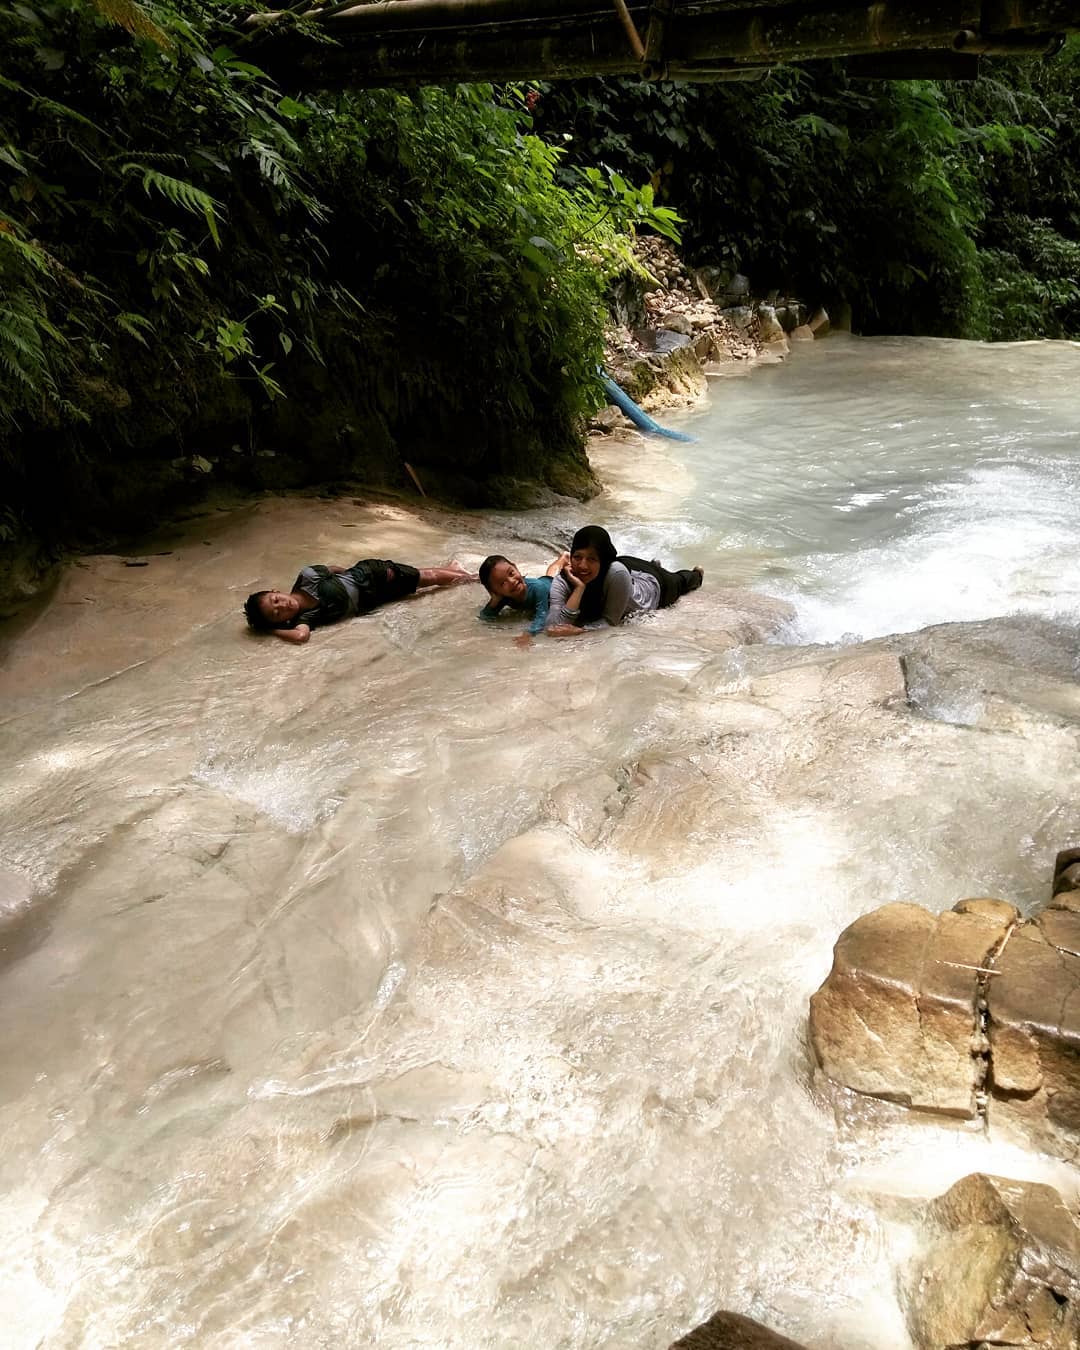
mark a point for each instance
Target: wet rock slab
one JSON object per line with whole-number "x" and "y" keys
{"x": 1001, "y": 1267}
{"x": 731, "y": 1331}
{"x": 963, "y": 1013}
{"x": 897, "y": 1016}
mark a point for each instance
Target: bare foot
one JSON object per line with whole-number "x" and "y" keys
{"x": 699, "y": 570}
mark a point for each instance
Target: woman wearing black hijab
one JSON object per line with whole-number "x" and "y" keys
{"x": 602, "y": 589}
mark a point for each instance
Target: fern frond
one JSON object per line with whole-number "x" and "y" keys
{"x": 61, "y": 110}
{"x": 134, "y": 18}
{"x": 182, "y": 194}
{"x": 132, "y": 324}
{"x": 270, "y": 164}
{"x": 32, "y": 254}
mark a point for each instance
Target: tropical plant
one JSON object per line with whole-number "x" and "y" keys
{"x": 192, "y": 260}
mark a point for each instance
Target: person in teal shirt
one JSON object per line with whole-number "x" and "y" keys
{"x": 507, "y": 588}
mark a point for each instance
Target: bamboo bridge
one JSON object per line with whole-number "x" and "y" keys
{"x": 405, "y": 42}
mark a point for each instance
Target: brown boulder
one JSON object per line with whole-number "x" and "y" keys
{"x": 1034, "y": 1029}
{"x": 898, "y": 1015}
{"x": 730, "y": 1331}
{"x": 1001, "y": 1267}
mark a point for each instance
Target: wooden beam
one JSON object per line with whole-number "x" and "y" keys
{"x": 809, "y": 34}
{"x": 403, "y": 16}
{"x": 449, "y": 41}
{"x": 1008, "y": 44}
{"x": 914, "y": 66}
{"x": 660, "y": 13}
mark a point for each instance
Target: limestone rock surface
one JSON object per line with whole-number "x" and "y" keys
{"x": 897, "y": 1016}
{"x": 1001, "y": 1268}
{"x": 963, "y": 1013}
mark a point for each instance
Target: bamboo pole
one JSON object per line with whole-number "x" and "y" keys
{"x": 632, "y": 34}
{"x": 394, "y": 16}
{"x": 446, "y": 41}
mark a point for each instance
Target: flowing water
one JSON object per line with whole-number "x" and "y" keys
{"x": 412, "y": 989}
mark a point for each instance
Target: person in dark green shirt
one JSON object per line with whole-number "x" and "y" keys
{"x": 322, "y": 595}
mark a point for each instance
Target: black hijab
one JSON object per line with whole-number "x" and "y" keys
{"x": 598, "y": 539}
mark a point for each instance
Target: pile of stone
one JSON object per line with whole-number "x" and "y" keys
{"x": 679, "y": 325}
{"x": 663, "y": 262}
{"x": 680, "y": 310}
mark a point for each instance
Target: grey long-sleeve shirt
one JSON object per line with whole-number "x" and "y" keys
{"x": 625, "y": 593}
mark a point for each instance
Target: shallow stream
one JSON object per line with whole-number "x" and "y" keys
{"x": 411, "y": 989}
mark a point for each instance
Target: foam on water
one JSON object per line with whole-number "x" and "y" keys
{"x": 413, "y": 989}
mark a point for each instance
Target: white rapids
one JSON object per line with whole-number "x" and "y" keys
{"x": 411, "y": 989}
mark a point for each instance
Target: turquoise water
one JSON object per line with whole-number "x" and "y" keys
{"x": 881, "y": 484}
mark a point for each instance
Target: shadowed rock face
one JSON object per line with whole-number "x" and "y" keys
{"x": 1034, "y": 1028}
{"x": 961, "y": 1013}
{"x": 1001, "y": 1267}
{"x": 729, "y": 1331}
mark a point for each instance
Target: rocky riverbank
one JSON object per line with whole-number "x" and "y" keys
{"x": 677, "y": 326}
{"x": 672, "y": 328}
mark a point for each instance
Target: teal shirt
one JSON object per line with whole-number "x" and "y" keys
{"x": 537, "y": 599}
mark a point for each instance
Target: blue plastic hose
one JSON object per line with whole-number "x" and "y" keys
{"x": 638, "y": 416}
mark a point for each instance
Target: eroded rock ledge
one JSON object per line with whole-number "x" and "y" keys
{"x": 966, "y": 1013}
{"x": 999, "y": 1266}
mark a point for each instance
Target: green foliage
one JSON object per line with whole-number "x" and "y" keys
{"x": 185, "y": 195}
{"x": 1035, "y": 291}
{"x": 27, "y": 365}
{"x": 917, "y": 203}
{"x": 191, "y": 259}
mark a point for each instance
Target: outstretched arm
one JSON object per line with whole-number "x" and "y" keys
{"x": 300, "y": 633}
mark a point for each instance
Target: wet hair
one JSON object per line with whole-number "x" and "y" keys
{"x": 488, "y": 566}
{"x": 598, "y": 539}
{"x": 253, "y": 612}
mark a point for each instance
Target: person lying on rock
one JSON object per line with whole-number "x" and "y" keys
{"x": 508, "y": 588}
{"x": 600, "y": 588}
{"x": 322, "y": 595}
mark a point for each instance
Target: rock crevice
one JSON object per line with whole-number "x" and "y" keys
{"x": 973, "y": 1013}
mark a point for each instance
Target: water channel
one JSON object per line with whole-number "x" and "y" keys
{"x": 412, "y": 989}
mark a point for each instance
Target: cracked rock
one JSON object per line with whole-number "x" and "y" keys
{"x": 899, "y": 1014}
{"x": 1000, "y": 1267}
{"x": 1034, "y": 1029}
{"x": 965, "y": 1013}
